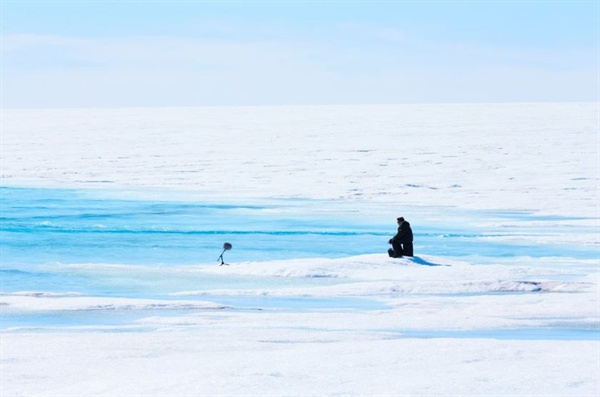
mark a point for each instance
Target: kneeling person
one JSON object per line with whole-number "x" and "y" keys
{"x": 402, "y": 242}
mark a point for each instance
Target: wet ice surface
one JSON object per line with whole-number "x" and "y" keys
{"x": 65, "y": 244}
{"x": 505, "y": 334}
{"x": 66, "y": 226}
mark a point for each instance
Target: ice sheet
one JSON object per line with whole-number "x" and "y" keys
{"x": 357, "y": 324}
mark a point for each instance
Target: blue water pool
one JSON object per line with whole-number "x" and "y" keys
{"x": 66, "y": 240}
{"x": 505, "y": 334}
{"x": 45, "y": 226}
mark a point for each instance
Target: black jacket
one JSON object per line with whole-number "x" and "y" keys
{"x": 405, "y": 234}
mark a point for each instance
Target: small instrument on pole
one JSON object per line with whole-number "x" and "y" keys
{"x": 226, "y": 247}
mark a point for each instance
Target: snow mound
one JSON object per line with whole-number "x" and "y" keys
{"x": 75, "y": 303}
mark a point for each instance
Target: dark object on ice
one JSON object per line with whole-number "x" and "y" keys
{"x": 402, "y": 242}
{"x": 226, "y": 247}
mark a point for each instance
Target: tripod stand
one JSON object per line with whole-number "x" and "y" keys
{"x": 226, "y": 247}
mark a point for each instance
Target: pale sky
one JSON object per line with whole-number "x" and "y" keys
{"x": 188, "y": 53}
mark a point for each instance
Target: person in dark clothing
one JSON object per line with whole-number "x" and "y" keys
{"x": 402, "y": 242}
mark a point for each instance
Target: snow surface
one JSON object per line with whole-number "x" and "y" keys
{"x": 540, "y": 157}
{"x": 413, "y": 326}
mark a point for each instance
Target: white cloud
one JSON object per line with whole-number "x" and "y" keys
{"x": 160, "y": 70}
